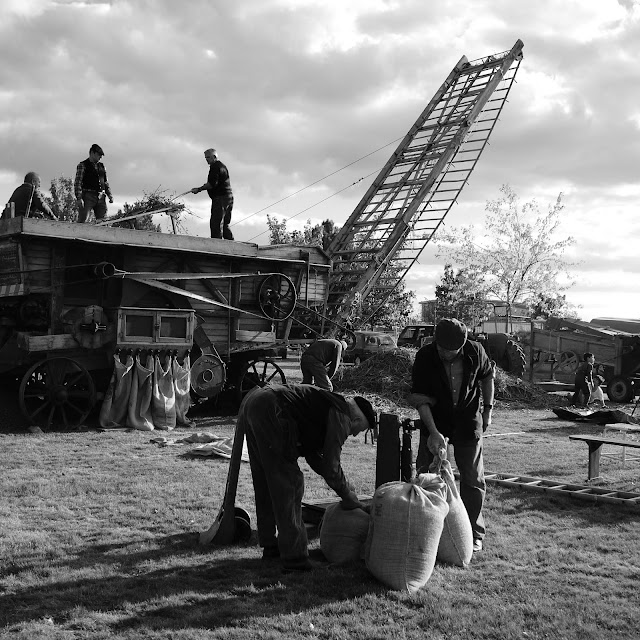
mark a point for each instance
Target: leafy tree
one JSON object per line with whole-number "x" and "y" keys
{"x": 545, "y": 306}
{"x": 63, "y": 200}
{"x": 311, "y": 236}
{"x": 461, "y": 295}
{"x": 518, "y": 257}
{"x": 392, "y": 311}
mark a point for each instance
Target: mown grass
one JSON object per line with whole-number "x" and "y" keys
{"x": 99, "y": 539}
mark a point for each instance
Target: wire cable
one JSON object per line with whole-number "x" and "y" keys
{"x": 273, "y": 204}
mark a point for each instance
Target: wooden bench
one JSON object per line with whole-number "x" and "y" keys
{"x": 595, "y": 447}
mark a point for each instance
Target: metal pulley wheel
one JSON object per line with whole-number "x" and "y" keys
{"x": 208, "y": 375}
{"x": 91, "y": 329}
{"x": 277, "y": 297}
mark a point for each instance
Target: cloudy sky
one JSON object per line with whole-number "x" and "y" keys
{"x": 293, "y": 91}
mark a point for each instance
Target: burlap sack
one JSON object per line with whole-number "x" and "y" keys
{"x": 163, "y": 401}
{"x": 343, "y": 534}
{"x": 456, "y": 541}
{"x": 139, "y": 410}
{"x": 404, "y": 532}
{"x": 182, "y": 389}
{"x": 113, "y": 412}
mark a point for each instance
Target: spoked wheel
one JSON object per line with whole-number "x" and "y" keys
{"x": 57, "y": 391}
{"x": 277, "y": 297}
{"x": 569, "y": 362}
{"x": 349, "y": 337}
{"x": 259, "y": 373}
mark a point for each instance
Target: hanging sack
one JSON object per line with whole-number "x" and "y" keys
{"x": 163, "y": 403}
{"x": 343, "y": 533}
{"x": 404, "y": 531}
{"x": 113, "y": 412}
{"x": 182, "y": 387}
{"x": 139, "y": 411}
{"x": 456, "y": 541}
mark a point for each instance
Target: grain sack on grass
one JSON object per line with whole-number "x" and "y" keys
{"x": 404, "y": 531}
{"x": 456, "y": 541}
{"x": 343, "y": 533}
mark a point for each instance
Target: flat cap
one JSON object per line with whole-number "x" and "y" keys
{"x": 451, "y": 334}
{"x": 367, "y": 408}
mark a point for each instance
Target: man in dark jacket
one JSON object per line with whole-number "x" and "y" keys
{"x": 218, "y": 186}
{"x": 583, "y": 380}
{"x": 28, "y": 200}
{"x": 447, "y": 378}
{"x": 91, "y": 186}
{"x": 282, "y": 423}
{"x": 320, "y": 362}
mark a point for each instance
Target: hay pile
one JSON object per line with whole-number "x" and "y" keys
{"x": 387, "y": 377}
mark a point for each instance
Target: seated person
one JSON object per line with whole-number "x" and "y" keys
{"x": 28, "y": 199}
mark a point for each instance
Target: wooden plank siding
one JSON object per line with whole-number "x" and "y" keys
{"x": 79, "y": 245}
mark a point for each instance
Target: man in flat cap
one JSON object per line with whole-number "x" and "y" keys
{"x": 91, "y": 186}
{"x": 448, "y": 378}
{"x": 283, "y": 423}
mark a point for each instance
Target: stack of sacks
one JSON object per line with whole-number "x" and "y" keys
{"x": 405, "y": 527}
{"x": 153, "y": 395}
{"x": 343, "y": 533}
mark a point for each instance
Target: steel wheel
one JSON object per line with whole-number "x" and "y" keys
{"x": 277, "y": 297}
{"x": 57, "y": 391}
{"x": 259, "y": 373}
{"x": 620, "y": 389}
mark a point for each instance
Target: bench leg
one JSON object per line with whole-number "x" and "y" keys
{"x": 594, "y": 459}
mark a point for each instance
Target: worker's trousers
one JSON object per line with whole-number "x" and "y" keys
{"x": 314, "y": 372}
{"x": 221, "y": 208}
{"x": 278, "y": 482}
{"x": 473, "y": 488}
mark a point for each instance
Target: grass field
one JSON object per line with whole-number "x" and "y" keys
{"x": 99, "y": 539}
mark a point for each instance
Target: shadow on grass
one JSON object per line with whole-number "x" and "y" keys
{"x": 589, "y": 512}
{"x": 210, "y": 589}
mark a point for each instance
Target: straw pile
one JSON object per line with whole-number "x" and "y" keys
{"x": 387, "y": 377}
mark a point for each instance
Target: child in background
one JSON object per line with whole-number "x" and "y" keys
{"x": 597, "y": 397}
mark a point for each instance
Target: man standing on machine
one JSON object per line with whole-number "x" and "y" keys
{"x": 91, "y": 186}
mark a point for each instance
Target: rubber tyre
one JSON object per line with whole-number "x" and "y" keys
{"x": 620, "y": 389}
{"x": 514, "y": 359}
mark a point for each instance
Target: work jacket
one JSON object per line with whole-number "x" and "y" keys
{"x": 462, "y": 422}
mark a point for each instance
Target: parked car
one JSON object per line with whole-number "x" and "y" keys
{"x": 367, "y": 344}
{"x": 416, "y": 335}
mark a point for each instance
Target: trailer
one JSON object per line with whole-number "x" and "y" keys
{"x": 75, "y": 296}
{"x": 557, "y": 351}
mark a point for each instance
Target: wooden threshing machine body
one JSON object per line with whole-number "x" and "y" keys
{"x": 74, "y": 295}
